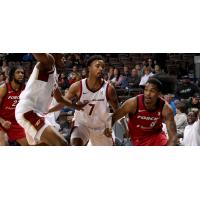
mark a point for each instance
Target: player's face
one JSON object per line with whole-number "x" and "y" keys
{"x": 96, "y": 68}
{"x": 151, "y": 94}
{"x": 19, "y": 76}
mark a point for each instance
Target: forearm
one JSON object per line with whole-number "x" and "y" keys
{"x": 66, "y": 102}
{"x": 56, "y": 108}
{"x": 171, "y": 129}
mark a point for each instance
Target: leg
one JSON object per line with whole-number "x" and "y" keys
{"x": 22, "y": 141}
{"x": 52, "y": 138}
{"x": 2, "y": 138}
{"x": 38, "y": 131}
{"x": 79, "y": 136}
{"x": 99, "y": 139}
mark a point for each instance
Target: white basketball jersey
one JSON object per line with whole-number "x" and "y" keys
{"x": 39, "y": 89}
{"x": 96, "y": 112}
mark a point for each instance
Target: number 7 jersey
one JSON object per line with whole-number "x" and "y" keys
{"x": 96, "y": 112}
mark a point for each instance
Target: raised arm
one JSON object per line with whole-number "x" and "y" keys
{"x": 66, "y": 100}
{"x": 168, "y": 116}
{"x": 45, "y": 61}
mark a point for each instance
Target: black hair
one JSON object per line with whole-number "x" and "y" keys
{"x": 165, "y": 84}
{"x": 181, "y": 106}
{"x": 92, "y": 58}
{"x": 12, "y": 72}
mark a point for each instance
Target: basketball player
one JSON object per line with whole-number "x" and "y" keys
{"x": 36, "y": 99}
{"x": 146, "y": 113}
{"x": 9, "y": 97}
{"x": 90, "y": 124}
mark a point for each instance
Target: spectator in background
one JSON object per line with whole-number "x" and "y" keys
{"x": 74, "y": 75}
{"x": 2, "y": 78}
{"x": 193, "y": 104}
{"x": 158, "y": 70}
{"x": 139, "y": 70}
{"x": 118, "y": 79}
{"x": 110, "y": 73}
{"x": 126, "y": 73}
{"x": 63, "y": 82}
{"x": 186, "y": 89}
{"x": 134, "y": 80}
{"x": 5, "y": 68}
{"x": 84, "y": 73}
{"x": 180, "y": 119}
{"x": 74, "y": 78}
{"x": 145, "y": 77}
{"x": 150, "y": 63}
{"x": 191, "y": 136}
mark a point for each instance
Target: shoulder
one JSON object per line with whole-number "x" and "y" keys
{"x": 3, "y": 90}
{"x": 110, "y": 91}
{"x": 167, "y": 110}
{"x": 76, "y": 87}
{"x": 131, "y": 105}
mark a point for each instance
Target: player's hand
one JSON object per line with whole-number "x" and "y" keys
{"x": 108, "y": 132}
{"x": 80, "y": 105}
{"x": 6, "y": 124}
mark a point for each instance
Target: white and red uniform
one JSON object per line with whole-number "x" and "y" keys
{"x": 34, "y": 102}
{"x": 93, "y": 120}
{"x": 145, "y": 127}
{"x": 7, "y": 112}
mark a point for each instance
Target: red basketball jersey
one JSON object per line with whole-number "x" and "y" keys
{"x": 145, "y": 127}
{"x": 7, "y": 112}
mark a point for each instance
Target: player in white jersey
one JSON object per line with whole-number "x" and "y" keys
{"x": 36, "y": 99}
{"x": 91, "y": 123}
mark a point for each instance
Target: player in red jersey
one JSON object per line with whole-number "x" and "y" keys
{"x": 148, "y": 111}
{"x": 9, "y": 97}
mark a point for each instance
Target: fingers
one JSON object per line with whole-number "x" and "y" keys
{"x": 108, "y": 132}
{"x": 6, "y": 124}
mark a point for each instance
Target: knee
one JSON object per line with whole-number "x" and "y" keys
{"x": 76, "y": 142}
{"x": 61, "y": 142}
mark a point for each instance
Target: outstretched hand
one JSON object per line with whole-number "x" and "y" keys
{"x": 6, "y": 124}
{"x": 108, "y": 132}
{"x": 80, "y": 105}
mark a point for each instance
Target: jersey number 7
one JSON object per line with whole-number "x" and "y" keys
{"x": 92, "y": 108}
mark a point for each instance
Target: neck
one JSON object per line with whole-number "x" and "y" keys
{"x": 94, "y": 83}
{"x": 150, "y": 106}
{"x": 15, "y": 85}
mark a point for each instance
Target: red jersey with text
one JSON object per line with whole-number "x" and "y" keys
{"x": 145, "y": 127}
{"x": 7, "y": 112}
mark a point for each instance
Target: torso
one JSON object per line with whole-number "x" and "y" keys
{"x": 97, "y": 110}
{"x": 145, "y": 123}
{"x": 38, "y": 93}
{"x": 9, "y": 102}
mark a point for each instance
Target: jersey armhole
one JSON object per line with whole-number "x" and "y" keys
{"x": 7, "y": 88}
{"x": 107, "y": 96}
{"x": 136, "y": 111}
{"x": 81, "y": 89}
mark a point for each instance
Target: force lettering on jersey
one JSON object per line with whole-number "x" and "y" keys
{"x": 147, "y": 118}
{"x": 97, "y": 99}
{"x": 14, "y": 97}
